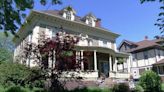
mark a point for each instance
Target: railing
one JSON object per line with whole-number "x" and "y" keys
{"x": 82, "y": 74}
{"x": 119, "y": 75}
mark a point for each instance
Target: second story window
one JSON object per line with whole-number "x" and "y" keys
{"x": 68, "y": 15}
{"x": 54, "y": 31}
{"x": 105, "y": 43}
{"x": 135, "y": 57}
{"x": 159, "y": 55}
{"x": 145, "y": 55}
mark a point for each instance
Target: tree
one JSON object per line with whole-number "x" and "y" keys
{"x": 6, "y": 42}
{"x": 62, "y": 47}
{"x": 6, "y": 48}
{"x": 12, "y": 13}
{"x": 160, "y": 20}
{"x": 150, "y": 82}
{"x": 5, "y": 55}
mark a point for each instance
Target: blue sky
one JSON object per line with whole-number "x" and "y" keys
{"x": 132, "y": 20}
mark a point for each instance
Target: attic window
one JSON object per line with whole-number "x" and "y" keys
{"x": 90, "y": 21}
{"x": 68, "y": 15}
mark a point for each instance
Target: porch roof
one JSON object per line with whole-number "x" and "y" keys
{"x": 102, "y": 50}
{"x": 159, "y": 62}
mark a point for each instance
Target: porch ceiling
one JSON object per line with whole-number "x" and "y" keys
{"x": 120, "y": 54}
{"x": 102, "y": 50}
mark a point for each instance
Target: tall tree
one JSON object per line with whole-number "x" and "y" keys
{"x": 160, "y": 20}
{"x": 12, "y": 13}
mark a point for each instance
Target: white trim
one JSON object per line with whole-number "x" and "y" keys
{"x": 95, "y": 61}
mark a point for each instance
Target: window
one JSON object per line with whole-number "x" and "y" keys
{"x": 105, "y": 43}
{"x": 145, "y": 55}
{"x": 54, "y": 31}
{"x": 135, "y": 57}
{"x": 141, "y": 71}
{"x": 159, "y": 55}
{"x": 90, "y": 21}
{"x": 161, "y": 71}
{"x": 68, "y": 15}
{"x": 125, "y": 47}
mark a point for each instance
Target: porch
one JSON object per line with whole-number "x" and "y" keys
{"x": 99, "y": 62}
{"x": 96, "y": 62}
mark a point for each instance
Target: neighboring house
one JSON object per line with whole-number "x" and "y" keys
{"x": 143, "y": 54}
{"x": 98, "y": 45}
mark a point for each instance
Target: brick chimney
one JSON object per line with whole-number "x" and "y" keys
{"x": 98, "y": 22}
{"x": 146, "y": 37}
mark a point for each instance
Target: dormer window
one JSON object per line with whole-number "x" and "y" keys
{"x": 90, "y": 19}
{"x": 68, "y": 15}
{"x": 90, "y": 22}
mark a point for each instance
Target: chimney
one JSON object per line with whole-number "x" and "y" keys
{"x": 98, "y": 22}
{"x": 146, "y": 37}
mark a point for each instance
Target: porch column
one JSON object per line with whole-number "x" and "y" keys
{"x": 82, "y": 62}
{"x": 54, "y": 61}
{"x": 158, "y": 69}
{"x": 51, "y": 64}
{"x": 115, "y": 64}
{"x": 110, "y": 62}
{"x": 95, "y": 61}
{"x": 128, "y": 64}
{"x": 49, "y": 61}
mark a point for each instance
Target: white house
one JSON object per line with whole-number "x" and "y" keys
{"x": 98, "y": 41}
{"x": 144, "y": 54}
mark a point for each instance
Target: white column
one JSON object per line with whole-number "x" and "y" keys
{"x": 77, "y": 59}
{"x": 95, "y": 61}
{"x": 49, "y": 61}
{"x": 128, "y": 64}
{"x": 158, "y": 69}
{"x": 110, "y": 63}
{"x": 82, "y": 62}
{"x": 115, "y": 64}
{"x": 51, "y": 64}
{"x": 54, "y": 62}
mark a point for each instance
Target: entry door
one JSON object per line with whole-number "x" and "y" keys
{"x": 105, "y": 68}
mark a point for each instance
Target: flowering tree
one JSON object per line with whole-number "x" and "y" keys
{"x": 59, "y": 50}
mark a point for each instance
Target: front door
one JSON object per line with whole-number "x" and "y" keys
{"x": 105, "y": 69}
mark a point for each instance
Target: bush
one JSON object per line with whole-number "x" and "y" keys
{"x": 13, "y": 74}
{"x": 121, "y": 87}
{"x": 150, "y": 82}
{"x": 138, "y": 89}
{"x": 15, "y": 89}
{"x": 16, "y": 74}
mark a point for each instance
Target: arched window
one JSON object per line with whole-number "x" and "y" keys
{"x": 68, "y": 15}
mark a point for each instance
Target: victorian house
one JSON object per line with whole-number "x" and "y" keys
{"x": 144, "y": 55}
{"x": 98, "y": 45}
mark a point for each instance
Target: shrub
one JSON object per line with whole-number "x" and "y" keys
{"x": 16, "y": 74}
{"x": 15, "y": 89}
{"x": 150, "y": 82}
{"x": 138, "y": 88}
{"x": 121, "y": 87}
